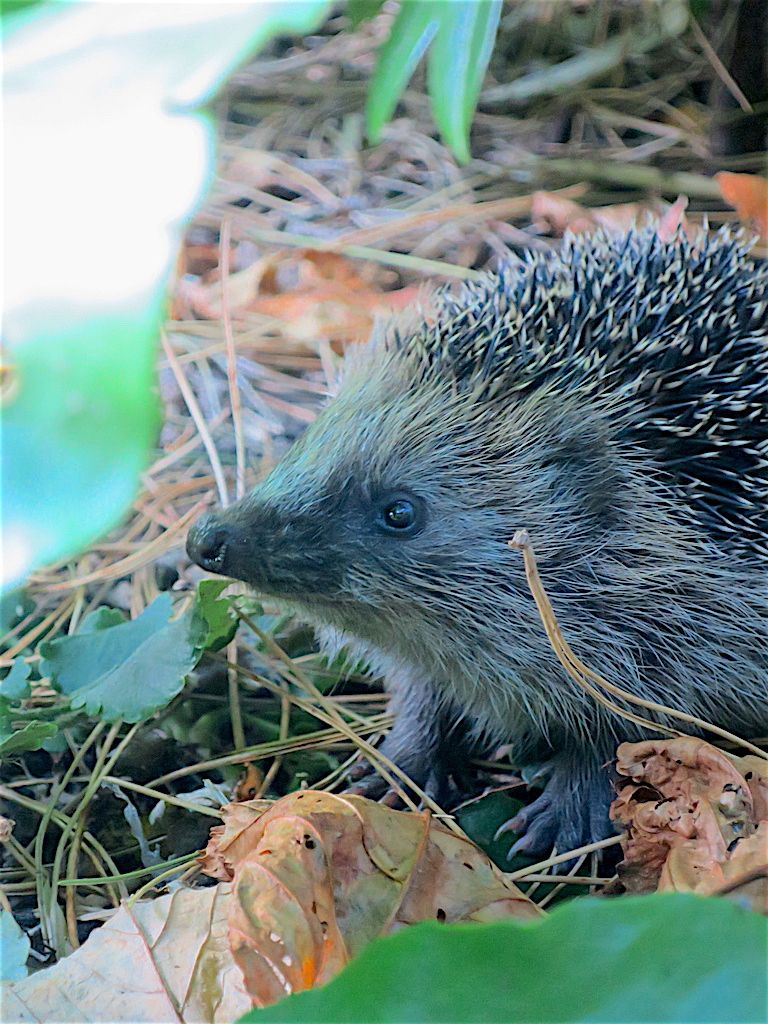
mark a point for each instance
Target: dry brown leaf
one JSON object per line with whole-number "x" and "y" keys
{"x": 161, "y": 960}
{"x": 559, "y": 215}
{"x": 315, "y": 294}
{"x": 695, "y": 818}
{"x": 748, "y": 194}
{"x": 318, "y": 876}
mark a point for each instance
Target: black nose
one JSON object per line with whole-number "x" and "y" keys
{"x": 207, "y": 543}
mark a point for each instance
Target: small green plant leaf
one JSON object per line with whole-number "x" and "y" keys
{"x": 15, "y": 686}
{"x": 670, "y": 957}
{"x": 31, "y": 737}
{"x": 456, "y": 66}
{"x": 412, "y": 32}
{"x": 14, "y": 949}
{"x": 217, "y": 616}
{"x": 127, "y": 670}
{"x": 359, "y": 11}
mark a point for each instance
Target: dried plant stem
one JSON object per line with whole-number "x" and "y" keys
{"x": 362, "y": 252}
{"x": 197, "y": 415}
{"x": 132, "y": 563}
{"x": 561, "y": 858}
{"x": 585, "y": 677}
{"x": 321, "y": 739}
{"x": 53, "y": 621}
{"x": 155, "y": 794}
{"x": 234, "y": 390}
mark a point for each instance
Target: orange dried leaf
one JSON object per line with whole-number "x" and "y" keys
{"x": 748, "y": 194}
{"x": 559, "y": 215}
{"x": 318, "y": 876}
{"x": 694, "y": 817}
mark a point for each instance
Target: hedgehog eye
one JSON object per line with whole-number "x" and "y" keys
{"x": 400, "y": 516}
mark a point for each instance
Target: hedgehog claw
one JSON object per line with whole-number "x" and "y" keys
{"x": 571, "y": 812}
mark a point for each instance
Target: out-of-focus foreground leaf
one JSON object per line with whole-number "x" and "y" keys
{"x": 107, "y": 95}
{"x": 318, "y": 876}
{"x": 163, "y": 960}
{"x": 651, "y": 958}
{"x": 456, "y": 67}
{"x": 129, "y": 670}
{"x": 460, "y": 35}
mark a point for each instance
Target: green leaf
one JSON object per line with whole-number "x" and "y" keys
{"x": 31, "y": 737}
{"x": 123, "y": 669}
{"x": 480, "y": 818}
{"x": 359, "y": 11}
{"x": 15, "y": 686}
{"x": 102, "y": 618}
{"x": 82, "y": 314}
{"x": 14, "y": 949}
{"x": 126, "y": 671}
{"x": 218, "y": 618}
{"x": 15, "y": 605}
{"x": 457, "y": 63}
{"x": 661, "y": 958}
{"x": 412, "y": 32}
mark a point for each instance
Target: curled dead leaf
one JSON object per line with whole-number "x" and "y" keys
{"x": 317, "y": 876}
{"x": 695, "y": 818}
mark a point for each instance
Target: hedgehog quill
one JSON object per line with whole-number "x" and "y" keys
{"x": 611, "y": 398}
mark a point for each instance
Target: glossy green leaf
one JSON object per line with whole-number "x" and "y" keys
{"x": 107, "y": 94}
{"x": 663, "y": 958}
{"x": 14, "y": 949}
{"x": 412, "y": 32}
{"x": 456, "y": 66}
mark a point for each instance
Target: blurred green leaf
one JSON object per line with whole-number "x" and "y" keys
{"x": 109, "y": 95}
{"x": 15, "y": 605}
{"x": 14, "y": 949}
{"x": 15, "y": 686}
{"x": 460, "y": 35}
{"x": 359, "y": 11}
{"x": 660, "y": 958}
{"x": 457, "y": 62}
{"x": 412, "y": 32}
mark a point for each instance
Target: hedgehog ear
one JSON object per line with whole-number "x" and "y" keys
{"x": 582, "y": 466}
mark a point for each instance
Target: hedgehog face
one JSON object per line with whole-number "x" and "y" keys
{"x": 398, "y": 503}
{"x": 366, "y": 513}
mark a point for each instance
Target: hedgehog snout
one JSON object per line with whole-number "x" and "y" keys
{"x": 207, "y": 543}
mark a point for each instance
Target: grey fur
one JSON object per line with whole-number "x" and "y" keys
{"x": 612, "y": 400}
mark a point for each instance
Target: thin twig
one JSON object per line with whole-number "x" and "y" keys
{"x": 234, "y": 390}
{"x": 197, "y": 415}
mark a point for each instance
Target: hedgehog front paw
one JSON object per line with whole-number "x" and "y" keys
{"x": 570, "y": 813}
{"x": 434, "y": 779}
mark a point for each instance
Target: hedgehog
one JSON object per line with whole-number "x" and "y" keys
{"x": 610, "y": 398}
